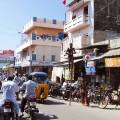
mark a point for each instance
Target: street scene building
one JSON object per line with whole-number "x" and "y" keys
{"x": 91, "y": 36}
{"x": 40, "y": 46}
{"x": 60, "y": 69}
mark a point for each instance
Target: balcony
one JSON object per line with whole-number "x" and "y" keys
{"x": 38, "y": 40}
{"x": 77, "y": 23}
{"x": 25, "y": 62}
{"x": 37, "y": 22}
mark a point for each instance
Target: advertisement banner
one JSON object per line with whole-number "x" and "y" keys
{"x": 6, "y": 55}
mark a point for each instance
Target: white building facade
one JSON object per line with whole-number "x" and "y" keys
{"x": 41, "y": 47}
{"x": 79, "y": 25}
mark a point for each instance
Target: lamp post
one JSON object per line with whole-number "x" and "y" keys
{"x": 30, "y": 67}
{"x": 70, "y": 52}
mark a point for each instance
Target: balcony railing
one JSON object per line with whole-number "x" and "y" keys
{"x": 79, "y": 21}
{"x": 40, "y": 22}
{"x": 39, "y": 38}
{"x": 25, "y": 62}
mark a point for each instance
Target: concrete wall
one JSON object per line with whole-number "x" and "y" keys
{"x": 47, "y": 51}
{"x": 107, "y": 15}
{"x": 41, "y": 30}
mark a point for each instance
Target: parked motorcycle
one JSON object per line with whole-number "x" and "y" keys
{"x": 94, "y": 95}
{"x": 66, "y": 93}
{"x": 76, "y": 94}
{"x": 55, "y": 91}
{"x": 9, "y": 112}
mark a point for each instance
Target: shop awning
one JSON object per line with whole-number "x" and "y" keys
{"x": 112, "y": 53}
{"x": 66, "y": 62}
{"x": 94, "y": 46}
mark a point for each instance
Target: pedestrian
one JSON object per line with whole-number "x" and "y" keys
{"x": 83, "y": 92}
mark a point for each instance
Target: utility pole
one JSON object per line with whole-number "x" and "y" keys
{"x": 30, "y": 68}
{"x": 70, "y": 52}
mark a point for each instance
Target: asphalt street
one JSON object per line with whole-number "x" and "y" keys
{"x": 56, "y": 109}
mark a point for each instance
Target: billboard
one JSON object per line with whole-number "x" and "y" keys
{"x": 6, "y": 56}
{"x": 7, "y": 52}
{"x": 112, "y": 62}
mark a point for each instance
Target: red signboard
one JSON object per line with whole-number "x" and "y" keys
{"x": 6, "y": 55}
{"x": 7, "y": 52}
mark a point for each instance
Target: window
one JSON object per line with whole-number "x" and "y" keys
{"x": 34, "y": 57}
{"x": 86, "y": 10}
{"x": 34, "y": 19}
{"x": 53, "y": 58}
{"x": 34, "y": 36}
{"x": 43, "y": 57}
{"x": 45, "y": 20}
{"x": 54, "y": 21}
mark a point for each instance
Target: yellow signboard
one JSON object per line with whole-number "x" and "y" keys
{"x": 112, "y": 62}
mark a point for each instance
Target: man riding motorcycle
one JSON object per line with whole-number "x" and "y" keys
{"x": 9, "y": 89}
{"x": 29, "y": 87}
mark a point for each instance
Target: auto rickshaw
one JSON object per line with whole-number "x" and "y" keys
{"x": 42, "y": 87}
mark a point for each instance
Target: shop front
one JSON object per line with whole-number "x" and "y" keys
{"x": 113, "y": 70}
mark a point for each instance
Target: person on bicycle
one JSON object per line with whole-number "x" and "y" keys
{"x": 29, "y": 87}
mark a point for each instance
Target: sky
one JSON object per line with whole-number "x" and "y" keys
{"x": 14, "y": 14}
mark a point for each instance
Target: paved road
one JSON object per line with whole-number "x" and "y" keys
{"x": 62, "y": 111}
{"x": 55, "y": 109}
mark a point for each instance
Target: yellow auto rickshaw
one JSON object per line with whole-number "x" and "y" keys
{"x": 42, "y": 87}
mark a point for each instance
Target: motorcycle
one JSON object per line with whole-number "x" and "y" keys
{"x": 76, "y": 94}
{"x": 9, "y": 112}
{"x": 110, "y": 97}
{"x": 31, "y": 108}
{"x": 94, "y": 95}
{"x": 66, "y": 93}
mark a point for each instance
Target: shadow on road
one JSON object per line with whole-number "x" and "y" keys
{"x": 47, "y": 117}
{"x": 42, "y": 116}
{"x": 108, "y": 108}
{"x": 94, "y": 106}
{"x": 112, "y": 108}
{"x": 50, "y": 102}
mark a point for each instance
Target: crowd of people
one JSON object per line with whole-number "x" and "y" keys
{"x": 10, "y": 88}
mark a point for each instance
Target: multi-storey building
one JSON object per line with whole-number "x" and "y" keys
{"x": 90, "y": 21}
{"x": 41, "y": 46}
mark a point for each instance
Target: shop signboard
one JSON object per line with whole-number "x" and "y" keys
{"x": 112, "y": 62}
